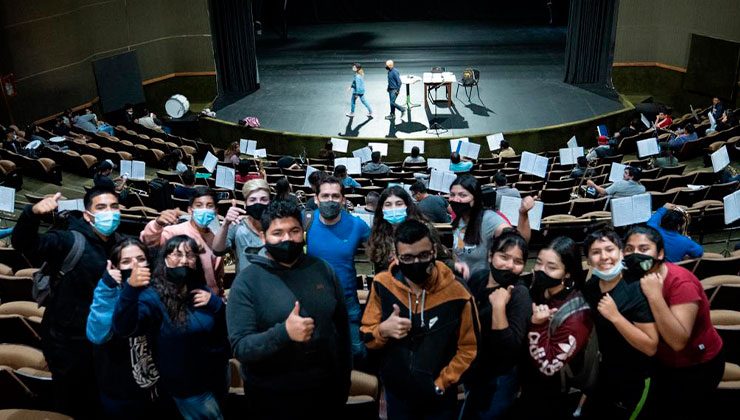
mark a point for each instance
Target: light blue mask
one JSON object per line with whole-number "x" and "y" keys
{"x": 395, "y": 216}
{"x": 611, "y": 274}
{"x": 203, "y": 217}
{"x": 107, "y": 221}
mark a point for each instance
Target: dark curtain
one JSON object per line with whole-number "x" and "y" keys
{"x": 589, "y": 45}
{"x": 232, "y": 34}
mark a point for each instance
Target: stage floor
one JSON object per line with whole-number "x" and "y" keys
{"x": 304, "y": 80}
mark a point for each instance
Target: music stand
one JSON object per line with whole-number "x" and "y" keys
{"x": 435, "y": 127}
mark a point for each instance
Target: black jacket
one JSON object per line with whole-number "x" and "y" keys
{"x": 69, "y": 303}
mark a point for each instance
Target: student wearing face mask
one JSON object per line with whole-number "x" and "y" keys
{"x": 690, "y": 358}
{"x": 124, "y": 367}
{"x": 426, "y": 323}
{"x": 65, "y": 347}
{"x": 202, "y": 210}
{"x": 334, "y": 235}
{"x": 625, "y": 327}
{"x": 505, "y": 307}
{"x": 394, "y": 207}
{"x": 187, "y": 325}
{"x": 240, "y": 231}
{"x": 288, "y": 326}
{"x": 559, "y": 331}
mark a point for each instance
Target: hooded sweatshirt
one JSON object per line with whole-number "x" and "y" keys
{"x": 443, "y": 338}
{"x": 260, "y": 300}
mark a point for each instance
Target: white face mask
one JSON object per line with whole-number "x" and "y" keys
{"x": 611, "y": 274}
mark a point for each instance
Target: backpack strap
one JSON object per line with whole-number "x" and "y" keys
{"x": 307, "y": 225}
{"x": 74, "y": 255}
{"x": 577, "y": 304}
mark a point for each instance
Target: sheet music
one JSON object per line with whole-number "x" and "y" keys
{"x": 379, "y": 147}
{"x": 469, "y": 149}
{"x": 693, "y": 112}
{"x": 720, "y": 159}
{"x": 125, "y": 168}
{"x": 533, "y": 164}
{"x": 225, "y": 177}
{"x": 63, "y": 205}
{"x": 409, "y": 144}
{"x": 367, "y": 218}
{"x": 631, "y": 210}
{"x": 510, "y": 208}
{"x": 260, "y": 153}
{"x": 454, "y": 142}
{"x": 247, "y": 147}
{"x": 573, "y": 142}
{"x": 712, "y": 121}
{"x": 439, "y": 164}
{"x": 353, "y": 164}
{"x": 617, "y": 172}
{"x": 732, "y": 207}
{"x": 441, "y": 180}
{"x": 7, "y": 199}
{"x": 570, "y": 156}
{"x": 309, "y": 171}
{"x": 647, "y": 147}
{"x": 210, "y": 162}
{"x": 645, "y": 121}
{"x": 339, "y": 145}
{"x": 138, "y": 170}
{"x": 364, "y": 154}
{"x": 494, "y": 141}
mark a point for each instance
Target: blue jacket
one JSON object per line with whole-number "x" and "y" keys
{"x": 394, "y": 79}
{"x": 358, "y": 85}
{"x": 676, "y": 245}
{"x": 192, "y": 359}
{"x": 349, "y": 182}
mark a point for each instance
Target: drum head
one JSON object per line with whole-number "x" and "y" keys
{"x": 177, "y": 106}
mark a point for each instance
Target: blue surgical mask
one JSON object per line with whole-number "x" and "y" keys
{"x": 106, "y": 222}
{"x": 611, "y": 274}
{"x": 203, "y": 217}
{"x": 395, "y": 216}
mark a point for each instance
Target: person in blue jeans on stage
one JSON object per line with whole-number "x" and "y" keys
{"x": 334, "y": 235}
{"x": 394, "y": 86}
{"x": 358, "y": 91}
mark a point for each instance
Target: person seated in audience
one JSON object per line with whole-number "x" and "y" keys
{"x": 672, "y": 222}
{"x": 559, "y": 331}
{"x": 246, "y": 171}
{"x": 505, "y": 151}
{"x": 11, "y": 142}
{"x": 415, "y": 157}
{"x": 181, "y": 161}
{"x": 728, "y": 174}
{"x": 33, "y": 133}
{"x": 581, "y": 169}
{"x": 375, "y": 166}
{"x": 231, "y": 154}
{"x": 502, "y": 189}
{"x": 187, "y": 189}
{"x": 663, "y": 119}
{"x": 603, "y": 149}
{"x": 241, "y": 229}
{"x": 729, "y": 119}
{"x": 504, "y": 308}
{"x": 128, "y": 115}
{"x": 665, "y": 159}
{"x": 60, "y": 128}
{"x": 690, "y": 359}
{"x": 202, "y": 211}
{"x": 459, "y": 164}
{"x": 187, "y": 323}
{"x": 313, "y": 181}
{"x": 628, "y": 186}
{"x": 88, "y": 121}
{"x": 420, "y": 378}
{"x": 284, "y": 191}
{"x": 326, "y": 152}
{"x": 340, "y": 171}
{"x": 103, "y": 174}
{"x": 149, "y": 120}
{"x": 717, "y": 109}
{"x": 624, "y": 323}
{"x": 371, "y": 203}
{"x": 288, "y": 162}
{"x": 687, "y": 134}
{"x": 434, "y": 207}
{"x": 634, "y": 127}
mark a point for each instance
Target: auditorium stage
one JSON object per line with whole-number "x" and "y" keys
{"x": 304, "y": 80}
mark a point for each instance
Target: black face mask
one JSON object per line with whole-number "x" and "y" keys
{"x": 387, "y": 68}
{"x": 285, "y": 252}
{"x": 639, "y": 264}
{"x": 460, "y": 209}
{"x": 179, "y": 275}
{"x": 255, "y": 210}
{"x": 541, "y": 282}
{"x": 125, "y": 274}
{"x": 329, "y": 209}
{"x": 504, "y": 277}
{"x": 419, "y": 272}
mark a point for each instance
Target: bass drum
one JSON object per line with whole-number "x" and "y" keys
{"x": 177, "y": 106}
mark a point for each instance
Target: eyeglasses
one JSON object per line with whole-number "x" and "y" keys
{"x": 177, "y": 255}
{"x": 425, "y": 256}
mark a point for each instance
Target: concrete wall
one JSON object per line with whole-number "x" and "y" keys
{"x": 50, "y": 44}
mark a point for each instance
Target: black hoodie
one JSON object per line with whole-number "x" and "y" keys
{"x": 260, "y": 300}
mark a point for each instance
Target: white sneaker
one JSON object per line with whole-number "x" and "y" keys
{"x": 350, "y": 114}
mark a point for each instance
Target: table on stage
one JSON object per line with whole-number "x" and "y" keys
{"x": 435, "y": 80}
{"x": 408, "y": 80}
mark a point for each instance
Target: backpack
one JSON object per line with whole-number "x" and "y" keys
{"x": 160, "y": 194}
{"x": 45, "y": 281}
{"x": 580, "y": 373}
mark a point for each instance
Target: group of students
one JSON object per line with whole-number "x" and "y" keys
{"x": 144, "y": 326}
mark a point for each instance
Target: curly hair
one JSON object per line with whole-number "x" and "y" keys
{"x": 175, "y": 299}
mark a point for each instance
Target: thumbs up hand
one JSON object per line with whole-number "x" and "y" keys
{"x": 235, "y": 214}
{"x": 47, "y": 205}
{"x": 140, "y": 276}
{"x": 299, "y": 329}
{"x": 395, "y": 326}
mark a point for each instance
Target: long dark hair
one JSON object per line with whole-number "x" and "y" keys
{"x": 509, "y": 238}
{"x": 174, "y": 298}
{"x": 380, "y": 245}
{"x": 115, "y": 253}
{"x": 653, "y": 236}
{"x": 475, "y": 219}
{"x": 570, "y": 256}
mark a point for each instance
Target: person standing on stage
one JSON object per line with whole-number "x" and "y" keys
{"x": 358, "y": 91}
{"x": 394, "y": 86}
